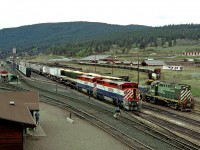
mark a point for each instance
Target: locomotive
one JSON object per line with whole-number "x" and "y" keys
{"x": 123, "y": 93}
{"x": 174, "y": 95}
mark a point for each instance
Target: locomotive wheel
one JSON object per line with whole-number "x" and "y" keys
{"x": 102, "y": 97}
{"x": 98, "y": 97}
{"x": 173, "y": 105}
{"x": 153, "y": 100}
{"x": 114, "y": 101}
{"x": 119, "y": 103}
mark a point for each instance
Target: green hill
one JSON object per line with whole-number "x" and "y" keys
{"x": 51, "y": 34}
{"x": 85, "y": 38}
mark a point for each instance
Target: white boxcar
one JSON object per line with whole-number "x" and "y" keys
{"x": 45, "y": 69}
{"x": 54, "y": 71}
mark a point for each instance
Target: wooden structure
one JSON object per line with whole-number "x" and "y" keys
{"x": 15, "y": 117}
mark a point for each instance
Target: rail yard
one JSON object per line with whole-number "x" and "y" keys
{"x": 149, "y": 127}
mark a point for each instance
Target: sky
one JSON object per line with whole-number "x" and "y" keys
{"x": 15, "y": 13}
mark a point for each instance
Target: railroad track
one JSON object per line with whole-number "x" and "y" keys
{"x": 126, "y": 122}
{"x": 121, "y": 136}
{"x": 10, "y": 87}
{"x": 176, "y": 116}
{"x": 173, "y": 127}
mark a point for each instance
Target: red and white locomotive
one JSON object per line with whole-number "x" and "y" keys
{"x": 123, "y": 93}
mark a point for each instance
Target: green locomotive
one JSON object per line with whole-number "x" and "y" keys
{"x": 177, "y": 96}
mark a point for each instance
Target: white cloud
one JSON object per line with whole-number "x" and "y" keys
{"x": 155, "y": 12}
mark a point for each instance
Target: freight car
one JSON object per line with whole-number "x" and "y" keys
{"x": 174, "y": 95}
{"x": 141, "y": 69}
{"x": 24, "y": 70}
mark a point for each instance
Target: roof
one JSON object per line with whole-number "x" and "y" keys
{"x": 102, "y": 62}
{"x": 154, "y": 62}
{"x": 96, "y": 57}
{"x": 117, "y": 62}
{"x": 127, "y": 62}
{"x": 131, "y": 62}
{"x": 19, "y": 111}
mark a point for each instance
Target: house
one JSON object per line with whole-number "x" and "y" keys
{"x": 16, "y": 116}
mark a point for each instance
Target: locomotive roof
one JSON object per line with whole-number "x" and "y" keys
{"x": 90, "y": 77}
{"x": 102, "y": 76}
{"x": 115, "y": 81}
{"x": 165, "y": 82}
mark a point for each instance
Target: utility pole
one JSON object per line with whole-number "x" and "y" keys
{"x": 138, "y": 65}
{"x": 112, "y": 64}
{"x": 95, "y": 61}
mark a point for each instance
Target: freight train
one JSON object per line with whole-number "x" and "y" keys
{"x": 174, "y": 95}
{"x": 124, "y": 94}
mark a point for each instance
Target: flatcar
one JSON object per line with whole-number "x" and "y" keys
{"x": 174, "y": 95}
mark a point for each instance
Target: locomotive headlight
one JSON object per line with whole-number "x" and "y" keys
{"x": 188, "y": 105}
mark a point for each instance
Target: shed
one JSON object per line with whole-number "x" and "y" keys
{"x": 15, "y": 117}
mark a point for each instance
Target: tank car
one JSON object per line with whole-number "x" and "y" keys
{"x": 176, "y": 96}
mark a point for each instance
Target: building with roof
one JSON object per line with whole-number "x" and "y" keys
{"x": 191, "y": 54}
{"x": 16, "y": 115}
{"x": 97, "y": 58}
{"x": 153, "y": 63}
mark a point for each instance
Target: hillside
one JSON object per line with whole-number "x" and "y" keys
{"x": 85, "y": 38}
{"x": 51, "y": 34}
